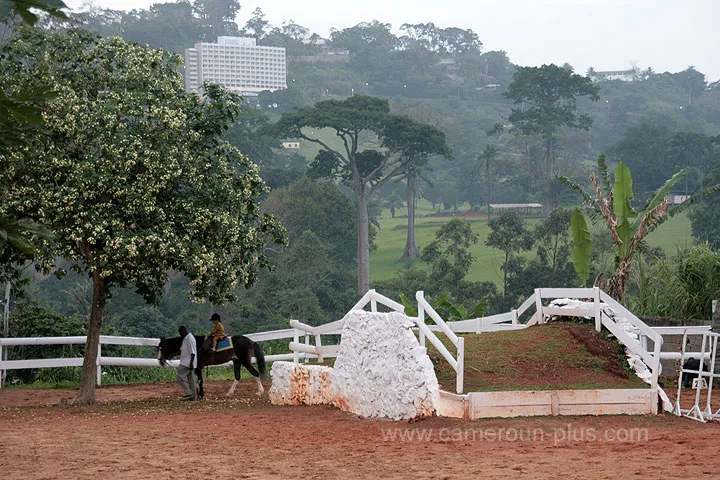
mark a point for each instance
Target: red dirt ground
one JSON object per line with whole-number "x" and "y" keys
{"x": 144, "y": 431}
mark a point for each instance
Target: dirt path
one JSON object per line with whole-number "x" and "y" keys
{"x": 144, "y": 431}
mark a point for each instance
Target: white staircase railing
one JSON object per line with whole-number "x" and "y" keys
{"x": 637, "y": 346}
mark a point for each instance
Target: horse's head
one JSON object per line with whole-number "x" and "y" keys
{"x": 168, "y": 348}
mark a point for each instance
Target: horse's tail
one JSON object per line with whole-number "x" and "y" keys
{"x": 260, "y": 357}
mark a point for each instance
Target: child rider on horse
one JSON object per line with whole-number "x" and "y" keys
{"x": 218, "y": 331}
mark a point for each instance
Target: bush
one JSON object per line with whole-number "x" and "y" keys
{"x": 29, "y": 319}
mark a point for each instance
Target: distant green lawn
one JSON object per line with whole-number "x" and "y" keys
{"x": 390, "y": 240}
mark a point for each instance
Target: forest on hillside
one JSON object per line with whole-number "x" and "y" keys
{"x": 491, "y": 151}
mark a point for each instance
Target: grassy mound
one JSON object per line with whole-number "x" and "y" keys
{"x": 545, "y": 357}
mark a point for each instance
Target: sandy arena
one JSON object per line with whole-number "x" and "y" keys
{"x": 145, "y": 431}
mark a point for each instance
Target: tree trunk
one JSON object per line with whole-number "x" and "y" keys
{"x": 504, "y": 269}
{"x": 549, "y": 178}
{"x": 488, "y": 177}
{"x": 554, "y": 259}
{"x": 363, "y": 243}
{"x": 411, "y": 250}
{"x": 88, "y": 380}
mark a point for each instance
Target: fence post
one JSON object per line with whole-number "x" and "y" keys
{"x": 460, "y": 365}
{"x": 318, "y": 344}
{"x": 421, "y": 315}
{"x": 296, "y": 339}
{"x": 515, "y": 318}
{"x": 373, "y": 301}
{"x": 97, "y": 361}
{"x": 538, "y": 306}
{"x": 6, "y": 331}
{"x": 307, "y": 342}
{"x": 656, "y": 354}
{"x": 598, "y": 319}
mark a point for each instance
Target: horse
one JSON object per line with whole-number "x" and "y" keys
{"x": 241, "y": 355}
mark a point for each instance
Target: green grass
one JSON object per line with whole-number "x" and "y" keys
{"x": 672, "y": 234}
{"x": 390, "y": 240}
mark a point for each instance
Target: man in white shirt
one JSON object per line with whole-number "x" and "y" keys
{"x": 188, "y": 363}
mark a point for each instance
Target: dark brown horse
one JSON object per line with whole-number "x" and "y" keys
{"x": 241, "y": 355}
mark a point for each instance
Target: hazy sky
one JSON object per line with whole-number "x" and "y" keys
{"x": 668, "y": 35}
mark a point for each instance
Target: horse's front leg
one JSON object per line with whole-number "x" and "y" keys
{"x": 236, "y": 368}
{"x": 201, "y": 391}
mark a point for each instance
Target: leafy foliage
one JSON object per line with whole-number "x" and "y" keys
{"x": 510, "y": 235}
{"x": 582, "y": 253}
{"x": 148, "y": 185}
{"x": 627, "y": 227}
{"x": 22, "y": 8}
{"x": 28, "y": 319}
{"x": 550, "y": 92}
{"x": 705, "y": 217}
{"x": 448, "y": 254}
{"x": 146, "y": 322}
{"x": 680, "y": 287}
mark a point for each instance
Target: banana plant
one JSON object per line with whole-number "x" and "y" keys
{"x": 627, "y": 227}
{"x": 448, "y": 308}
{"x": 582, "y": 241}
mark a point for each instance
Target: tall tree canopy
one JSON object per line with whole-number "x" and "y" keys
{"x": 414, "y": 143}
{"x": 353, "y": 120}
{"x": 217, "y": 17}
{"x": 133, "y": 177}
{"x": 547, "y": 99}
{"x": 170, "y": 26}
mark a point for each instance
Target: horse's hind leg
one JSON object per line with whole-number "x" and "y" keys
{"x": 247, "y": 363}
{"x": 236, "y": 368}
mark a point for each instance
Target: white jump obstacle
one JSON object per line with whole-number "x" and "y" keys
{"x": 704, "y": 379}
{"x": 381, "y": 371}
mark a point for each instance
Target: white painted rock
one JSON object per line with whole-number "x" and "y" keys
{"x": 297, "y": 384}
{"x": 381, "y": 370}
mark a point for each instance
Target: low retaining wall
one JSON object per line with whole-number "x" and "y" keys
{"x": 549, "y": 402}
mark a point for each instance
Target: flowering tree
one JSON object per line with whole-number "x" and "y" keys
{"x": 133, "y": 177}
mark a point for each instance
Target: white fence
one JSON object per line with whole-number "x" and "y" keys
{"x": 625, "y": 326}
{"x": 103, "y": 361}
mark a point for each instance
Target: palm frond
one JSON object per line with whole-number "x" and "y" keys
{"x": 664, "y": 191}
{"x": 649, "y": 222}
{"x": 604, "y": 173}
{"x": 588, "y": 200}
{"x": 695, "y": 199}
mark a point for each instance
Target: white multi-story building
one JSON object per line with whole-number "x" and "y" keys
{"x": 238, "y": 64}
